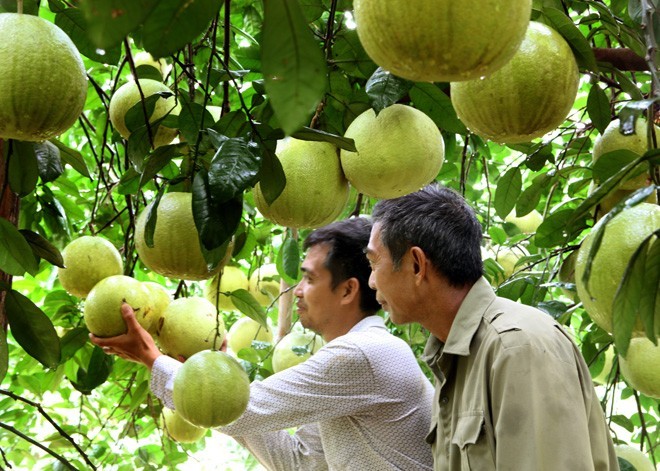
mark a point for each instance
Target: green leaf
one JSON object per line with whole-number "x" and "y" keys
{"x": 581, "y": 47}
{"x": 288, "y": 261}
{"x": 32, "y": 329}
{"x": 271, "y": 178}
{"x": 72, "y": 157}
{"x": 650, "y": 292}
{"x": 110, "y": 21}
{"x": 231, "y": 124}
{"x": 385, "y": 89}
{"x": 598, "y": 107}
{"x": 138, "y": 115}
{"x": 555, "y": 230}
{"x": 97, "y": 371}
{"x": 173, "y": 24}
{"x": 152, "y": 218}
{"x": 625, "y": 465}
{"x": 48, "y": 161}
{"x": 508, "y": 190}
{"x": 530, "y": 197}
{"x": 73, "y": 341}
{"x": 73, "y": 22}
{"x": 249, "y": 306}
{"x": 42, "y": 248}
{"x": 309, "y": 134}
{"x": 430, "y": 99}
{"x": 611, "y": 163}
{"x": 159, "y": 158}
{"x": 192, "y": 119}
{"x": 234, "y": 168}
{"x": 16, "y": 256}
{"x": 23, "y": 168}
{"x": 293, "y": 65}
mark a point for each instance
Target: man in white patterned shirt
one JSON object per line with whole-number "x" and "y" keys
{"x": 360, "y": 403}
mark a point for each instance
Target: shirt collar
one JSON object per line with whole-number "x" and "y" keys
{"x": 367, "y": 322}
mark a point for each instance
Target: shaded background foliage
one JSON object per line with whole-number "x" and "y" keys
{"x": 274, "y": 68}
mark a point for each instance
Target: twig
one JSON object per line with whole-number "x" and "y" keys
{"x": 60, "y": 458}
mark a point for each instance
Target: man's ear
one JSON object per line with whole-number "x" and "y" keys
{"x": 419, "y": 261}
{"x": 350, "y": 290}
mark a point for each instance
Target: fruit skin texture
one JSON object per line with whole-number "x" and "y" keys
{"x": 211, "y": 389}
{"x": 316, "y": 190}
{"x": 612, "y": 140}
{"x": 88, "y": 259}
{"x": 181, "y": 430}
{"x": 641, "y": 366}
{"x": 189, "y": 326}
{"x": 264, "y": 284}
{"x": 285, "y": 357}
{"x": 231, "y": 279}
{"x": 176, "y": 252}
{"x": 444, "y": 40}
{"x": 398, "y": 152}
{"x": 244, "y": 331}
{"x": 43, "y": 85}
{"x": 623, "y": 234}
{"x": 528, "y": 97}
{"x": 635, "y": 457}
{"x": 160, "y": 299}
{"x": 128, "y": 95}
{"x": 102, "y": 311}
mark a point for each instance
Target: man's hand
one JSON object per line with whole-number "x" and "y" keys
{"x": 135, "y": 345}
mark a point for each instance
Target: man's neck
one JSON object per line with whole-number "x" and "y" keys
{"x": 443, "y": 308}
{"x": 350, "y": 321}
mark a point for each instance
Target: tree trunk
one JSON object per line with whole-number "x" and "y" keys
{"x": 9, "y": 208}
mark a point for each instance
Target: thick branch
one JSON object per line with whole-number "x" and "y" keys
{"x": 9, "y": 208}
{"x": 621, "y": 58}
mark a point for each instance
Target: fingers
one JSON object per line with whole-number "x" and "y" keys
{"x": 129, "y": 317}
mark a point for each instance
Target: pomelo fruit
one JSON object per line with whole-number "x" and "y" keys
{"x": 176, "y": 252}
{"x": 43, "y": 85}
{"x": 264, "y": 284}
{"x": 244, "y": 331}
{"x": 144, "y": 58}
{"x": 231, "y": 279}
{"x": 88, "y": 259}
{"x": 102, "y": 310}
{"x": 211, "y": 389}
{"x": 641, "y": 366}
{"x": 316, "y": 190}
{"x": 294, "y": 348}
{"x": 190, "y": 325}
{"x": 528, "y": 223}
{"x": 622, "y": 236}
{"x": 508, "y": 258}
{"x": 128, "y": 95}
{"x": 615, "y": 197}
{"x": 398, "y": 152}
{"x": 444, "y": 40}
{"x": 528, "y": 97}
{"x": 612, "y": 140}
{"x": 635, "y": 457}
{"x": 160, "y": 299}
{"x": 179, "y": 429}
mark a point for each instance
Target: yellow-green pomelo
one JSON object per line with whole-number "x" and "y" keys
{"x": 567, "y": 274}
{"x": 444, "y": 40}
{"x": 508, "y": 258}
{"x": 528, "y": 223}
{"x": 211, "y": 389}
{"x": 144, "y": 58}
{"x": 160, "y": 299}
{"x": 102, "y": 311}
{"x": 87, "y": 260}
{"x": 622, "y": 236}
{"x": 128, "y": 95}
{"x": 264, "y": 284}
{"x": 528, "y": 97}
{"x": 181, "y": 430}
{"x": 231, "y": 279}
{"x": 43, "y": 84}
{"x": 611, "y": 200}
{"x": 316, "y": 190}
{"x": 635, "y": 457}
{"x": 294, "y": 348}
{"x": 641, "y": 366}
{"x": 177, "y": 252}
{"x": 398, "y": 152}
{"x": 612, "y": 139}
{"x": 190, "y": 325}
{"x": 244, "y": 331}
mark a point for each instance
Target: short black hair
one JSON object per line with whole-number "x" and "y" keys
{"x": 438, "y": 220}
{"x": 346, "y": 241}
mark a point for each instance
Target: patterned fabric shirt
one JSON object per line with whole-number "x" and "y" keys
{"x": 513, "y": 393}
{"x": 360, "y": 403}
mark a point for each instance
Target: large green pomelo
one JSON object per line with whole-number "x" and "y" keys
{"x": 635, "y": 457}
{"x": 160, "y": 299}
{"x": 181, "y": 430}
{"x": 128, "y": 95}
{"x": 43, "y": 84}
{"x": 623, "y": 235}
{"x": 190, "y": 325}
{"x": 294, "y": 348}
{"x": 316, "y": 190}
{"x": 230, "y": 279}
{"x": 211, "y": 389}
{"x": 244, "y": 331}
{"x": 87, "y": 260}
{"x": 102, "y": 311}
{"x": 641, "y": 366}
{"x": 176, "y": 252}
{"x": 528, "y": 97}
{"x": 612, "y": 139}
{"x": 398, "y": 152}
{"x": 442, "y": 40}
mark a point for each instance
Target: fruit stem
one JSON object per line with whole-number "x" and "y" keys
{"x": 19, "y": 7}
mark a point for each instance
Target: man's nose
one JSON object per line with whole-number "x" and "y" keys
{"x": 372, "y": 280}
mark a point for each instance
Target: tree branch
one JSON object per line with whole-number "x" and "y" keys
{"x": 621, "y": 58}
